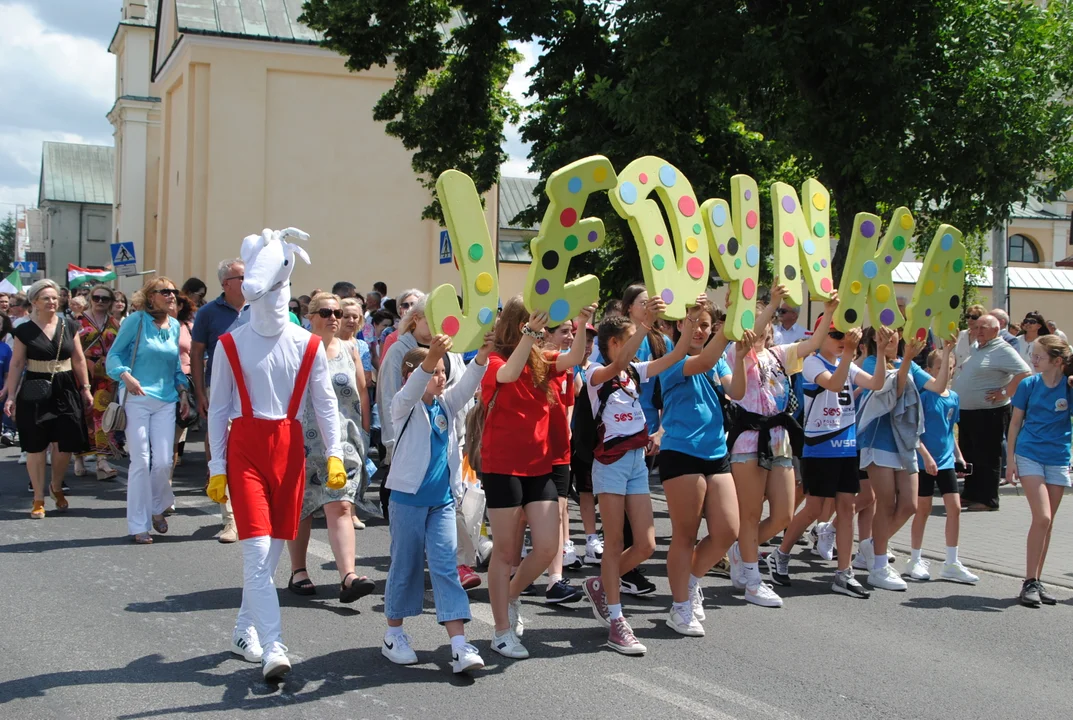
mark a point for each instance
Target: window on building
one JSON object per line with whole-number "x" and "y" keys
{"x": 1022, "y": 249}
{"x": 97, "y": 229}
{"x": 39, "y": 258}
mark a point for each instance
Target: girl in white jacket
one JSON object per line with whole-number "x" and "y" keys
{"x": 426, "y": 483}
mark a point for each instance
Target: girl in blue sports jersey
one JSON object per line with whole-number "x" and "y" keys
{"x": 1038, "y": 452}
{"x": 894, "y": 477}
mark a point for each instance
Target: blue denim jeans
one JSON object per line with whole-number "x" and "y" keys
{"x": 417, "y": 533}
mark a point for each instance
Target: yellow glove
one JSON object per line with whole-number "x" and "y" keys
{"x": 336, "y": 474}
{"x": 217, "y": 490}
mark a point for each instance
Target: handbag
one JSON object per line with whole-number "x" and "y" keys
{"x": 39, "y": 389}
{"x": 115, "y": 415}
{"x": 468, "y": 521}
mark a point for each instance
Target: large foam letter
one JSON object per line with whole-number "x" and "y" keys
{"x": 734, "y": 239}
{"x": 562, "y": 237}
{"x": 937, "y": 296}
{"x": 801, "y": 239}
{"x": 680, "y": 275}
{"x": 472, "y": 246}
{"x": 866, "y": 278}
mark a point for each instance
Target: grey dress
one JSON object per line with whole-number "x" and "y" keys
{"x": 317, "y": 494}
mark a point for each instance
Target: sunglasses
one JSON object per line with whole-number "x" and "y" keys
{"x": 836, "y": 334}
{"x": 101, "y": 299}
{"x": 973, "y": 317}
{"x": 328, "y": 312}
{"x": 406, "y": 305}
{"x": 168, "y": 292}
{"x": 1030, "y": 321}
{"x": 235, "y": 277}
{"x": 783, "y": 311}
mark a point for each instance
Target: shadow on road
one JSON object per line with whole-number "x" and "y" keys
{"x": 961, "y": 602}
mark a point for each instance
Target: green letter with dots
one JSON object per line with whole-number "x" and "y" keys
{"x": 734, "y": 244}
{"x": 563, "y": 236}
{"x": 937, "y": 297}
{"x": 801, "y": 239}
{"x": 676, "y": 274}
{"x": 472, "y": 246}
{"x": 866, "y": 279}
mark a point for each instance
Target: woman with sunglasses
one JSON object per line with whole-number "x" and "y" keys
{"x": 1033, "y": 327}
{"x": 145, "y": 357}
{"x": 967, "y": 338}
{"x": 348, "y": 381}
{"x": 98, "y": 330}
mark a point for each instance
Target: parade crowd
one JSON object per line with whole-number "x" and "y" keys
{"x": 476, "y": 457}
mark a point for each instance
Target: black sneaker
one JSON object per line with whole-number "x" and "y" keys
{"x": 1045, "y": 597}
{"x": 778, "y": 566}
{"x": 635, "y": 583}
{"x": 846, "y": 584}
{"x": 530, "y": 591}
{"x": 562, "y": 592}
{"x": 1030, "y": 594}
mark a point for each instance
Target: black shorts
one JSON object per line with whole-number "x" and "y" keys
{"x": 581, "y": 472}
{"x": 560, "y": 475}
{"x": 861, "y": 472}
{"x": 511, "y": 491}
{"x": 825, "y": 477}
{"x": 946, "y": 480}
{"x": 674, "y": 464}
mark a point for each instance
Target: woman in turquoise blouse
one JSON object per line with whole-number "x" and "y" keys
{"x": 145, "y": 358}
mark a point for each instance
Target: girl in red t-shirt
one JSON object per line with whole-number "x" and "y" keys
{"x": 515, "y": 462}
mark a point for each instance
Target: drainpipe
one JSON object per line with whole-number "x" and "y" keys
{"x": 81, "y": 214}
{"x": 999, "y": 260}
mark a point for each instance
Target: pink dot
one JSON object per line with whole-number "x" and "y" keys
{"x": 825, "y": 285}
{"x": 748, "y": 288}
{"x": 568, "y": 217}
{"x": 750, "y": 219}
{"x": 788, "y": 238}
{"x": 695, "y": 268}
{"x": 687, "y": 205}
{"x": 659, "y": 240}
{"x": 643, "y": 177}
{"x": 450, "y": 325}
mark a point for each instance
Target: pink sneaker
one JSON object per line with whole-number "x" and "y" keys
{"x": 622, "y": 639}
{"x": 468, "y": 578}
{"x": 594, "y": 591}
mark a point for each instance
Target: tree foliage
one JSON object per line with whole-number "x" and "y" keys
{"x": 7, "y": 244}
{"x": 954, "y": 108}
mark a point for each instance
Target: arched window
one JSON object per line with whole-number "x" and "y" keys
{"x": 1023, "y": 249}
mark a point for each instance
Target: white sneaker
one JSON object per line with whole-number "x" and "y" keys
{"x": 594, "y": 551}
{"x": 918, "y": 569}
{"x": 508, "y": 645}
{"x": 690, "y": 627}
{"x": 886, "y": 579}
{"x": 825, "y": 547}
{"x": 398, "y": 650}
{"x": 697, "y": 599}
{"x": 514, "y": 616}
{"x": 22, "y": 458}
{"x": 956, "y": 572}
{"x": 865, "y": 557}
{"x": 484, "y": 550}
{"x": 570, "y": 558}
{"x": 467, "y": 659}
{"x": 245, "y": 644}
{"x": 274, "y": 663}
{"x": 762, "y": 594}
{"x": 737, "y": 571}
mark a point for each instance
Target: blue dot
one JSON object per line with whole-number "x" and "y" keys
{"x": 719, "y": 216}
{"x": 667, "y": 175}
{"x": 485, "y": 316}
{"x": 559, "y": 310}
{"x": 574, "y": 185}
{"x": 628, "y": 193}
{"x": 948, "y": 241}
{"x": 870, "y": 270}
{"x": 752, "y": 255}
{"x": 809, "y": 247}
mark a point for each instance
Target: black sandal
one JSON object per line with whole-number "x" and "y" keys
{"x": 359, "y": 588}
{"x": 302, "y": 587}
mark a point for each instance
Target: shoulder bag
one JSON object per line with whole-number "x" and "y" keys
{"x": 39, "y": 389}
{"x": 115, "y": 415}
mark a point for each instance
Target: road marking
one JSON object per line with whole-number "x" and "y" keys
{"x": 723, "y": 693}
{"x": 679, "y": 701}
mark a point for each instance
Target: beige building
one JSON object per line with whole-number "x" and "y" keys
{"x": 230, "y": 118}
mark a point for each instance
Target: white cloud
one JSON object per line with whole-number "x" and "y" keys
{"x": 517, "y": 86}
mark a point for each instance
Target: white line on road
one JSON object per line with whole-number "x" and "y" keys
{"x": 679, "y": 701}
{"x": 723, "y": 693}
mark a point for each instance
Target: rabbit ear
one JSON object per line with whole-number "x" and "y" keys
{"x": 293, "y": 232}
{"x": 299, "y": 251}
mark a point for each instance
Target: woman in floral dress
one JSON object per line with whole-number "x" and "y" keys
{"x": 98, "y": 331}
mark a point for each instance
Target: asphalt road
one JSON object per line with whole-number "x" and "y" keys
{"x": 95, "y": 627}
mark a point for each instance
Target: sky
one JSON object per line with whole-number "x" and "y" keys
{"x": 57, "y": 81}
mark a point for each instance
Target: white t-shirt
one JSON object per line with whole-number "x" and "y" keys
{"x": 623, "y": 415}
{"x": 784, "y": 336}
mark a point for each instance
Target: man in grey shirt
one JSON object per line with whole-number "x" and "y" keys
{"x": 985, "y": 385}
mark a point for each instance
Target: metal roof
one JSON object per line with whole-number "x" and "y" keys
{"x": 514, "y": 251}
{"x": 1032, "y": 209}
{"x": 1018, "y": 277}
{"x": 516, "y": 195}
{"x": 76, "y": 173}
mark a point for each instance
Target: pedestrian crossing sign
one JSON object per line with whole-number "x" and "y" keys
{"x": 445, "y": 248}
{"x": 123, "y": 259}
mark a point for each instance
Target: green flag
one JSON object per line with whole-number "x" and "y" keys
{"x": 12, "y": 283}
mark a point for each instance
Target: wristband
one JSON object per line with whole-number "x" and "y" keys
{"x": 535, "y": 334}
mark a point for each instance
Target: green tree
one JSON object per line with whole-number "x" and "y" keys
{"x": 7, "y": 244}
{"x": 954, "y": 108}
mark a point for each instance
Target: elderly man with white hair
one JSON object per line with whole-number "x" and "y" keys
{"x": 1053, "y": 327}
{"x": 985, "y": 385}
{"x": 1003, "y": 318}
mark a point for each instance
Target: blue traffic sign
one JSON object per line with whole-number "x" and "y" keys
{"x": 123, "y": 254}
{"x": 445, "y": 248}
{"x": 25, "y": 267}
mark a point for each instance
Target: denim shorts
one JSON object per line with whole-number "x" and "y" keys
{"x": 766, "y": 464}
{"x": 626, "y": 476}
{"x": 1051, "y": 474}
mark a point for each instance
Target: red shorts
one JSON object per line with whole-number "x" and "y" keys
{"x": 266, "y": 476}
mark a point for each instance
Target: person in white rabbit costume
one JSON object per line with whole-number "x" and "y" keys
{"x": 260, "y": 373}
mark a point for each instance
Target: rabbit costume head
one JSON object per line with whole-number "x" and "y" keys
{"x": 269, "y": 259}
